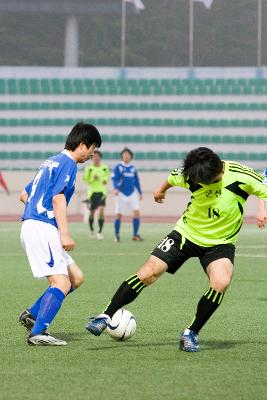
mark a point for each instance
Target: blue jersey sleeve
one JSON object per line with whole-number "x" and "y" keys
{"x": 116, "y": 177}
{"x": 64, "y": 178}
{"x": 137, "y": 182}
{"x": 28, "y": 188}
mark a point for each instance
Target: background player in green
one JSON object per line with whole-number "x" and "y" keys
{"x": 208, "y": 229}
{"x": 96, "y": 175}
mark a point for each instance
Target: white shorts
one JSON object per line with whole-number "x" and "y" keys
{"x": 41, "y": 242}
{"x": 122, "y": 201}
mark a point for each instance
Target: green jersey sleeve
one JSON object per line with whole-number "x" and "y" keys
{"x": 87, "y": 176}
{"x": 176, "y": 178}
{"x": 106, "y": 173}
{"x": 255, "y": 186}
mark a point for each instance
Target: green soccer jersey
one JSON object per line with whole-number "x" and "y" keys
{"x": 215, "y": 212}
{"x": 97, "y": 178}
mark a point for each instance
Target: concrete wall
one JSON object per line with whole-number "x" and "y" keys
{"x": 174, "y": 205}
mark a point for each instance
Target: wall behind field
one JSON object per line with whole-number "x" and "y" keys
{"x": 174, "y": 205}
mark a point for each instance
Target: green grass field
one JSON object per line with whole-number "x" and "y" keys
{"x": 231, "y": 365}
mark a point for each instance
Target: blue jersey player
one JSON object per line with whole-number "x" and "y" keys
{"x": 45, "y": 235}
{"x": 127, "y": 189}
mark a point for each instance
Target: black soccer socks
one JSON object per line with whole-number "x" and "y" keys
{"x": 208, "y": 303}
{"x": 127, "y": 292}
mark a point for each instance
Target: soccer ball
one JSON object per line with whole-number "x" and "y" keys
{"x": 122, "y": 325}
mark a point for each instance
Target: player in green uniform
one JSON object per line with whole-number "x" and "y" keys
{"x": 208, "y": 229}
{"x": 96, "y": 175}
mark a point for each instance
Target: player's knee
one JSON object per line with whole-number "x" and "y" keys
{"x": 77, "y": 280}
{"x": 148, "y": 274}
{"x": 221, "y": 284}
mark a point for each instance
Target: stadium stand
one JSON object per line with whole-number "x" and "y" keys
{"x": 160, "y": 119}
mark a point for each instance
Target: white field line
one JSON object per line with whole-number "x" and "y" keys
{"x": 123, "y": 255}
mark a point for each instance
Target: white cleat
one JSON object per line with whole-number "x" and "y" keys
{"x": 100, "y": 236}
{"x": 44, "y": 339}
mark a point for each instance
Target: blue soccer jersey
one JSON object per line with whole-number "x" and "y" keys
{"x": 125, "y": 179}
{"x": 56, "y": 175}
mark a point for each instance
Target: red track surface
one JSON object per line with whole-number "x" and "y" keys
{"x": 110, "y": 218}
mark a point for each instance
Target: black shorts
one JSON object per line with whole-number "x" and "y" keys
{"x": 96, "y": 200}
{"x": 174, "y": 254}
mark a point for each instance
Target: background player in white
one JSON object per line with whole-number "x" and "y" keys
{"x": 126, "y": 182}
{"x": 45, "y": 235}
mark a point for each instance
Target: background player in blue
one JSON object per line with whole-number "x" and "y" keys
{"x": 45, "y": 235}
{"x": 125, "y": 182}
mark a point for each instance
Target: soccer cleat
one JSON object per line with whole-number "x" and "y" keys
{"x": 137, "y": 238}
{"x": 92, "y": 235}
{"x": 96, "y": 325}
{"x": 44, "y": 339}
{"x": 117, "y": 239}
{"x": 27, "y": 320}
{"x": 189, "y": 341}
{"x": 99, "y": 236}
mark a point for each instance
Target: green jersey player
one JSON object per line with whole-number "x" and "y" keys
{"x": 208, "y": 229}
{"x": 96, "y": 176}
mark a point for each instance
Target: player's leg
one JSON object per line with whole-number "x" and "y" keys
{"x": 133, "y": 202}
{"x": 128, "y": 292}
{"x": 220, "y": 273}
{"x": 50, "y": 305}
{"x": 47, "y": 260}
{"x": 136, "y": 226}
{"x": 120, "y": 201}
{"x": 28, "y": 316}
{"x": 101, "y": 221}
{"x": 167, "y": 256}
{"x": 91, "y": 219}
{"x": 76, "y": 277}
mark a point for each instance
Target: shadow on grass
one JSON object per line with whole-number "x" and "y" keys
{"x": 220, "y": 344}
{"x": 102, "y": 343}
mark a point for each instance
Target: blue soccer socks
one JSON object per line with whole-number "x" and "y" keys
{"x": 117, "y": 225}
{"x": 34, "y": 309}
{"x": 49, "y": 307}
{"x": 136, "y": 225}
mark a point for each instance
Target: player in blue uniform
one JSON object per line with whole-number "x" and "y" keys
{"x": 126, "y": 185}
{"x": 45, "y": 235}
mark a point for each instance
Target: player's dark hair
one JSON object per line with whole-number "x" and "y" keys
{"x": 83, "y": 133}
{"x": 202, "y": 165}
{"x": 98, "y": 152}
{"x": 126, "y": 149}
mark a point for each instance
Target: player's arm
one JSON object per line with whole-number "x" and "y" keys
{"x": 175, "y": 178}
{"x": 261, "y": 215}
{"x": 23, "y": 196}
{"x": 159, "y": 194}
{"x": 106, "y": 174}
{"x": 137, "y": 184}
{"x": 116, "y": 176}
{"x": 87, "y": 177}
{"x": 60, "y": 213}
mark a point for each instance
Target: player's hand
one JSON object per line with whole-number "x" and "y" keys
{"x": 116, "y": 192}
{"x": 95, "y": 177}
{"x": 261, "y": 218}
{"x": 67, "y": 241}
{"x": 159, "y": 197}
{"x": 140, "y": 197}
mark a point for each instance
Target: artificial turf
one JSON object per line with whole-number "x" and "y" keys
{"x": 232, "y": 363}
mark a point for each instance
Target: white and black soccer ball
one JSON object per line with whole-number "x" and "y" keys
{"x": 122, "y": 325}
